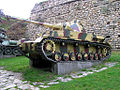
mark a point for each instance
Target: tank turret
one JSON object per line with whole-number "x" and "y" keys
{"x": 69, "y": 29}
{"x": 2, "y": 34}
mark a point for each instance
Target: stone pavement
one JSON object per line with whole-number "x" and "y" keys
{"x": 14, "y": 81}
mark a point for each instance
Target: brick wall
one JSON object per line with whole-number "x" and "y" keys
{"x": 99, "y": 16}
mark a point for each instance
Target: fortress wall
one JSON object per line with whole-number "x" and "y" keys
{"x": 101, "y": 17}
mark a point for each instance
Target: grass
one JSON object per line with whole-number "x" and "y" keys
{"x": 21, "y": 64}
{"x": 99, "y": 66}
{"x": 114, "y": 57}
{"x": 106, "y": 80}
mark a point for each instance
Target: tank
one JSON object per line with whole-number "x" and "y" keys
{"x": 65, "y": 42}
{"x": 8, "y": 47}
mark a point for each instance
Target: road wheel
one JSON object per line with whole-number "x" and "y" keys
{"x": 72, "y": 56}
{"x": 16, "y": 52}
{"x": 91, "y": 56}
{"x": 58, "y": 56}
{"x": 96, "y": 56}
{"x": 65, "y": 56}
{"x": 79, "y": 56}
{"x": 8, "y": 51}
{"x": 86, "y": 56}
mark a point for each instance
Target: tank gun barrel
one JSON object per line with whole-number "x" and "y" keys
{"x": 74, "y": 25}
{"x": 52, "y": 26}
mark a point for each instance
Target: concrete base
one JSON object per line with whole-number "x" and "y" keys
{"x": 6, "y": 56}
{"x": 68, "y": 67}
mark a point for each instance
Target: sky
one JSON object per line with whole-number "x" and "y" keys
{"x": 18, "y": 8}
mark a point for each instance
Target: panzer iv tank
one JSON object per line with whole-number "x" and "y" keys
{"x": 67, "y": 42}
{"x": 8, "y": 47}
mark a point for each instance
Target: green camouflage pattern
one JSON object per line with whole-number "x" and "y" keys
{"x": 8, "y": 47}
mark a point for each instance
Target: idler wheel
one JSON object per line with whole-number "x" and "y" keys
{"x": 58, "y": 56}
{"x": 86, "y": 56}
{"x": 96, "y": 56}
{"x": 72, "y": 56}
{"x": 79, "y": 56}
{"x": 48, "y": 47}
{"x": 8, "y": 51}
{"x": 65, "y": 56}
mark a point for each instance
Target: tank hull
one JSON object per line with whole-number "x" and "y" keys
{"x": 53, "y": 50}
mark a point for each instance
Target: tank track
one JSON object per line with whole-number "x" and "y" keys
{"x": 10, "y": 50}
{"x": 71, "y": 41}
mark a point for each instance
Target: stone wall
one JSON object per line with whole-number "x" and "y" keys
{"x": 99, "y": 16}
